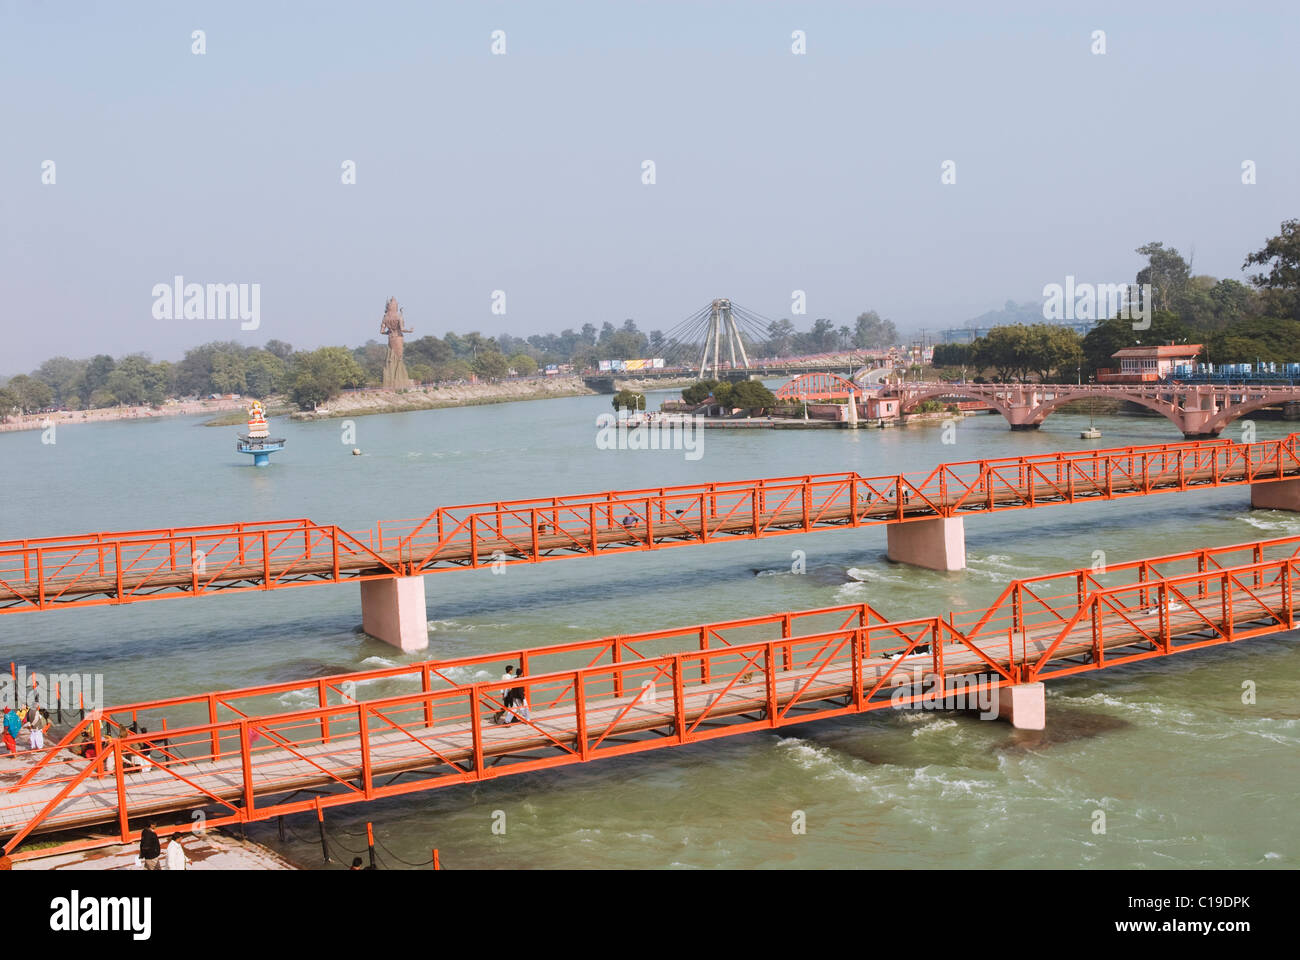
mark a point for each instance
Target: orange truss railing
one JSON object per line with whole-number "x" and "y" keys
{"x": 253, "y": 753}
{"x": 133, "y": 566}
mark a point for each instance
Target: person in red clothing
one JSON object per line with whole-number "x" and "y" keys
{"x": 11, "y": 726}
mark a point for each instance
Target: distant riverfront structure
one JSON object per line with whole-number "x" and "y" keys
{"x": 258, "y": 442}
{"x": 394, "y": 325}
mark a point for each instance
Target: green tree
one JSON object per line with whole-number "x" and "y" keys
{"x": 62, "y": 375}
{"x": 491, "y": 365}
{"x": 629, "y": 400}
{"x": 1281, "y": 284}
{"x": 523, "y": 364}
{"x": 1256, "y": 338}
{"x": 322, "y": 374}
{"x": 699, "y": 391}
{"x": 96, "y": 375}
{"x": 279, "y": 349}
{"x": 30, "y": 395}
{"x": 870, "y": 332}
{"x": 751, "y": 395}
{"x": 265, "y": 373}
{"x": 780, "y": 337}
{"x": 1166, "y": 271}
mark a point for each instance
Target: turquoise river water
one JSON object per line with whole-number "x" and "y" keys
{"x": 1187, "y": 775}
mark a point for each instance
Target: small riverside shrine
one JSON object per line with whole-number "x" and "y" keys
{"x": 258, "y": 442}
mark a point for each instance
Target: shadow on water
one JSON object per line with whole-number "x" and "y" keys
{"x": 304, "y": 669}
{"x": 1064, "y": 726}
{"x": 897, "y": 738}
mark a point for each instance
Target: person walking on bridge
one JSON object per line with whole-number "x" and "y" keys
{"x": 504, "y": 693}
{"x": 517, "y": 700}
{"x": 38, "y": 722}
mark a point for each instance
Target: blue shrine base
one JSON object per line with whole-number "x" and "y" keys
{"x": 260, "y": 450}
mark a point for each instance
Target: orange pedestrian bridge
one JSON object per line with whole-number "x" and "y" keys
{"x": 304, "y": 747}
{"x": 924, "y": 515}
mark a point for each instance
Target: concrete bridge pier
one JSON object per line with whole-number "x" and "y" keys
{"x": 393, "y": 610}
{"x": 1024, "y": 705}
{"x": 936, "y": 544}
{"x": 1278, "y": 495}
{"x": 1022, "y": 406}
{"x": 1198, "y": 411}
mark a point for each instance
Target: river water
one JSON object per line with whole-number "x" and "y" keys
{"x": 1185, "y": 773}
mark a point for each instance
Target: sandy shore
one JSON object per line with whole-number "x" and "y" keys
{"x": 67, "y": 417}
{"x": 360, "y": 403}
{"x": 355, "y": 403}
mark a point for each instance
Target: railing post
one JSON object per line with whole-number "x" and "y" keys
{"x": 320, "y": 821}
{"x": 618, "y": 674}
{"x": 363, "y": 732}
{"x": 246, "y": 762}
{"x": 1287, "y": 588}
{"x": 215, "y": 736}
{"x": 679, "y": 700}
{"x": 476, "y": 731}
{"x": 770, "y": 672}
{"x": 322, "y": 700}
{"x": 580, "y": 714}
{"x": 426, "y": 687}
{"x": 859, "y": 654}
{"x": 122, "y": 818}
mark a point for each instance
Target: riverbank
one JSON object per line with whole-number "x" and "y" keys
{"x": 362, "y": 403}
{"x": 42, "y": 421}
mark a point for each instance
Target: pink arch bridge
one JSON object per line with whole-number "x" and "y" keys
{"x": 1202, "y": 410}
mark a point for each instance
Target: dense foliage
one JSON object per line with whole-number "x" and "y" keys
{"x": 1234, "y": 322}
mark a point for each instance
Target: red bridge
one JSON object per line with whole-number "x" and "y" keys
{"x": 924, "y": 514}
{"x": 380, "y": 733}
{"x": 818, "y": 386}
{"x": 1200, "y": 410}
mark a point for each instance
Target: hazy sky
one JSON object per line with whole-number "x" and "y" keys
{"x": 523, "y": 173}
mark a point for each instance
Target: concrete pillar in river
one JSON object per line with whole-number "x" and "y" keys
{"x": 1278, "y": 495}
{"x": 1023, "y": 705}
{"x": 393, "y": 610}
{"x": 936, "y": 544}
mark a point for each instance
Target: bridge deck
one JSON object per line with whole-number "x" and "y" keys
{"x": 127, "y": 568}
{"x": 256, "y": 764}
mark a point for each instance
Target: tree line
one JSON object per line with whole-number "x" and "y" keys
{"x": 312, "y": 377}
{"x": 1235, "y": 322}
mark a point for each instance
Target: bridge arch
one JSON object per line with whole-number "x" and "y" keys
{"x": 818, "y": 386}
{"x": 1234, "y": 411}
{"x": 956, "y": 392}
{"x": 1166, "y": 409}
